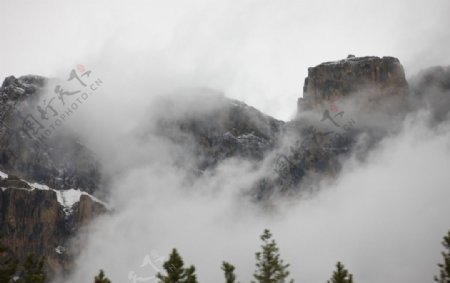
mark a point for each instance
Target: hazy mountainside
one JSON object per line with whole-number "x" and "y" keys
{"x": 59, "y": 161}
{"x": 343, "y": 110}
{"x": 218, "y": 128}
{"x": 33, "y": 217}
{"x": 431, "y": 88}
{"x": 348, "y": 106}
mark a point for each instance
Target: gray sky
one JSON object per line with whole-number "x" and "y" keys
{"x": 255, "y": 51}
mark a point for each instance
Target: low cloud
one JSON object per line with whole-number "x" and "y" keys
{"x": 383, "y": 217}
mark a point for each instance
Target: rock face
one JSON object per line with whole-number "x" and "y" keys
{"x": 221, "y": 129}
{"x": 331, "y": 81}
{"x": 320, "y": 140}
{"x": 230, "y": 128}
{"x": 35, "y": 219}
{"x": 61, "y": 161}
{"x": 309, "y": 153}
{"x": 431, "y": 87}
{"x": 16, "y": 89}
{"x": 435, "y": 77}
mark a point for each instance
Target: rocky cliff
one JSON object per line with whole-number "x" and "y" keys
{"x": 377, "y": 77}
{"x": 37, "y": 219}
{"x": 215, "y": 128}
{"x": 342, "y": 101}
{"x": 310, "y": 146}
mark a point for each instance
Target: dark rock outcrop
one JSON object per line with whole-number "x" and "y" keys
{"x": 332, "y": 81}
{"x": 430, "y": 88}
{"x": 219, "y": 128}
{"x": 432, "y": 78}
{"x": 310, "y": 153}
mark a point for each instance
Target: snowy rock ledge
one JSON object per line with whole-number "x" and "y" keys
{"x": 66, "y": 198}
{"x": 35, "y": 218}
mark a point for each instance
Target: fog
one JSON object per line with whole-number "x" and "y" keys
{"x": 384, "y": 217}
{"x": 255, "y": 51}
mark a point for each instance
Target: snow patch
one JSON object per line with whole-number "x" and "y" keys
{"x": 69, "y": 197}
{"x": 3, "y": 175}
{"x": 39, "y": 186}
{"x": 66, "y": 198}
{"x": 60, "y": 250}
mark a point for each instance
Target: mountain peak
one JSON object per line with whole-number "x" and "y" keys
{"x": 331, "y": 81}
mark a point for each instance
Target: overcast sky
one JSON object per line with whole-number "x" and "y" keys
{"x": 255, "y": 51}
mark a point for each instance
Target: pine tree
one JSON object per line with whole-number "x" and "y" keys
{"x": 444, "y": 272}
{"x": 33, "y": 270}
{"x": 101, "y": 278}
{"x": 8, "y": 265}
{"x": 176, "y": 273}
{"x": 269, "y": 267}
{"x": 341, "y": 275}
{"x": 228, "y": 269}
{"x": 190, "y": 276}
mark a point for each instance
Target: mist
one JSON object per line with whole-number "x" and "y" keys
{"x": 254, "y": 51}
{"x": 383, "y": 216}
